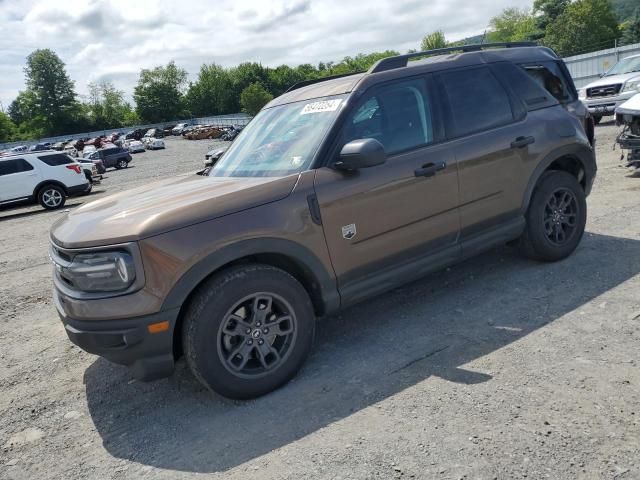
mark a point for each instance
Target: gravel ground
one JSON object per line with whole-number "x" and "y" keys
{"x": 497, "y": 368}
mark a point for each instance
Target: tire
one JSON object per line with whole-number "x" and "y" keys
{"x": 88, "y": 190}
{"x": 122, "y": 163}
{"x": 555, "y": 219}
{"x": 51, "y": 197}
{"x": 224, "y": 354}
{"x": 597, "y": 119}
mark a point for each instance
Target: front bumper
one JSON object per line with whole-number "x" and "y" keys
{"x": 604, "y": 106}
{"x": 129, "y": 342}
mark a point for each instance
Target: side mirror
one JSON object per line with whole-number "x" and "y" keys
{"x": 361, "y": 153}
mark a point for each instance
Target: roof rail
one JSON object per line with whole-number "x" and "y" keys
{"x": 304, "y": 83}
{"x": 391, "y": 63}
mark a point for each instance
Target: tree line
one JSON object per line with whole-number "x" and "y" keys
{"x": 49, "y": 105}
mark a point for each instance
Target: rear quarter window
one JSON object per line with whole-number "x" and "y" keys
{"x": 55, "y": 160}
{"x": 550, "y": 76}
{"x": 477, "y": 101}
{"x": 526, "y": 88}
{"x": 15, "y": 165}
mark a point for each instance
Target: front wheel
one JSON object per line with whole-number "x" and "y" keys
{"x": 248, "y": 330}
{"x": 122, "y": 163}
{"x": 597, "y": 119}
{"x": 556, "y": 217}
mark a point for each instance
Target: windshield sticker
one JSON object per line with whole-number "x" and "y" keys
{"x": 323, "y": 106}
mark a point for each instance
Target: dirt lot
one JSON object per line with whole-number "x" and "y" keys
{"x": 497, "y": 368}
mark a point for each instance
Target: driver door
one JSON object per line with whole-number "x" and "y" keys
{"x": 387, "y": 224}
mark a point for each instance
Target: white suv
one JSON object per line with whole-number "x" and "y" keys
{"x": 45, "y": 177}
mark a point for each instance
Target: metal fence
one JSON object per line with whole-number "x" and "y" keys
{"x": 588, "y": 67}
{"x": 236, "y": 119}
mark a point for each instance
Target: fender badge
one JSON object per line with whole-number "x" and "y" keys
{"x": 349, "y": 231}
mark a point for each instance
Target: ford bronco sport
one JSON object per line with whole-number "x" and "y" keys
{"x": 338, "y": 190}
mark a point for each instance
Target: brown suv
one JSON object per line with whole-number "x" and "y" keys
{"x": 338, "y": 190}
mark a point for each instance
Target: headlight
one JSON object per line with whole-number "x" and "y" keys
{"x": 631, "y": 85}
{"x": 99, "y": 272}
{"x": 582, "y": 94}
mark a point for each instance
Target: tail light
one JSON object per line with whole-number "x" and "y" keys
{"x": 76, "y": 168}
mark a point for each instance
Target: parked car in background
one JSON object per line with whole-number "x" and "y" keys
{"x": 47, "y": 178}
{"x": 91, "y": 172}
{"x": 18, "y": 149}
{"x": 231, "y": 133}
{"x": 151, "y": 143}
{"x": 70, "y": 150}
{"x": 112, "y": 157}
{"x": 168, "y": 130}
{"x": 112, "y": 137}
{"x": 154, "y": 133}
{"x": 134, "y": 146}
{"x": 39, "y": 147}
{"x": 179, "y": 128}
{"x": 616, "y": 86}
{"x": 58, "y": 146}
{"x": 136, "y": 134}
{"x": 88, "y": 150}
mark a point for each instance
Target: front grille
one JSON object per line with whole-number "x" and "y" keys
{"x": 604, "y": 91}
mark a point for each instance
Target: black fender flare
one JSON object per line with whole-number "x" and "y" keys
{"x": 323, "y": 281}
{"x": 49, "y": 182}
{"x": 582, "y": 153}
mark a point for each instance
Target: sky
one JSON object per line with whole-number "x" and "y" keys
{"x": 113, "y": 39}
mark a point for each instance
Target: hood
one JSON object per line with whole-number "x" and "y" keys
{"x": 164, "y": 206}
{"x": 630, "y": 107}
{"x": 613, "y": 79}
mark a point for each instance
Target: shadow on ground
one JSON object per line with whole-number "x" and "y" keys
{"x": 370, "y": 352}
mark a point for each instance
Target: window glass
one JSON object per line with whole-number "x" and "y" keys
{"x": 280, "y": 140}
{"x": 534, "y": 95}
{"x": 398, "y": 116}
{"x": 15, "y": 165}
{"x": 478, "y": 101}
{"x": 549, "y": 76}
{"x": 55, "y": 160}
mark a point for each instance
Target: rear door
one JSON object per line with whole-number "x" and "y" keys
{"x": 18, "y": 179}
{"x": 381, "y": 223}
{"x": 491, "y": 141}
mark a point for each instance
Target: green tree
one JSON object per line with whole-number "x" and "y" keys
{"x": 512, "y": 25}
{"x": 211, "y": 93}
{"x": 282, "y": 77}
{"x": 48, "y": 101}
{"x": 253, "y": 98}
{"x": 585, "y": 26}
{"x": 631, "y": 29}
{"x": 7, "y": 128}
{"x": 159, "y": 93}
{"x": 106, "y": 107}
{"x": 433, "y": 41}
{"x": 547, "y": 11}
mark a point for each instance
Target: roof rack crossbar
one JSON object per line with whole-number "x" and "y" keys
{"x": 391, "y": 63}
{"x": 305, "y": 83}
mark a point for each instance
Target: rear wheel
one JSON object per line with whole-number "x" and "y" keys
{"x": 122, "y": 163}
{"x": 556, "y": 217}
{"x": 248, "y": 330}
{"x": 51, "y": 197}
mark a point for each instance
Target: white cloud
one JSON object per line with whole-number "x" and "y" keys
{"x": 114, "y": 39}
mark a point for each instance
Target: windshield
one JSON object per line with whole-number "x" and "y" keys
{"x": 626, "y": 65}
{"x": 280, "y": 140}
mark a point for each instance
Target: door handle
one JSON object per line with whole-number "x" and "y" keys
{"x": 522, "y": 142}
{"x": 430, "y": 169}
